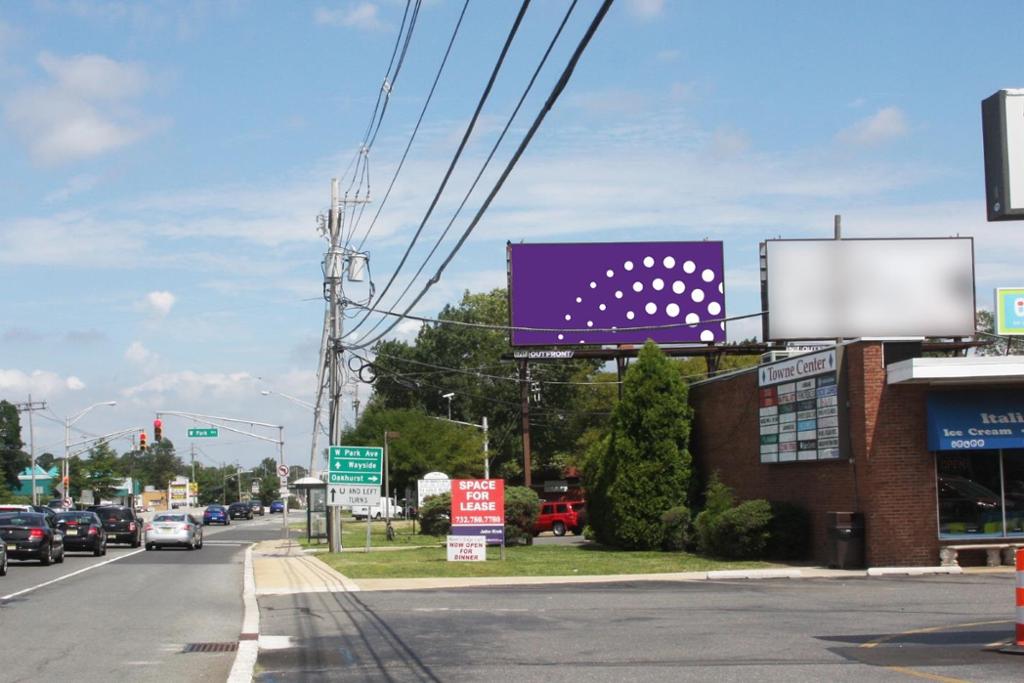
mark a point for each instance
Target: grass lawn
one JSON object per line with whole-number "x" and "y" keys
{"x": 537, "y": 560}
{"x": 353, "y": 535}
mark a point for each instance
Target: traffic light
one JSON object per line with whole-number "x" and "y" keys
{"x": 142, "y": 441}
{"x": 158, "y": 430}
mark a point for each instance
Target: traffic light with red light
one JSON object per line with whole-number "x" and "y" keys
{"x": 142, "y": 441}
{"x": 158, "y": 430}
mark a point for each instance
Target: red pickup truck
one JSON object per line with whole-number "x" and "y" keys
{"x": 560, "y": 516}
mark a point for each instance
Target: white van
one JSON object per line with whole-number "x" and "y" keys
{"x": 379, "y": 511}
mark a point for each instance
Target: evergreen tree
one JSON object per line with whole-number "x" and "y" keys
{"x": 645, "y": 468}
{"x": 12, "y": 459}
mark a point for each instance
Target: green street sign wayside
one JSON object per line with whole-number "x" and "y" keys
{"x": 355, "y": 465}
{"x": 203, "y": 432}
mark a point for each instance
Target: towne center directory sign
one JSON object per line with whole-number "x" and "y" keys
{"x": 799, "y": 408}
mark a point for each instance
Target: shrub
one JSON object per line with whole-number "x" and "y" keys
{"x": 717, "y": 499}
{"x": 435, "y": 515}
{"x": 790, "y": 531}
{"x": 522, "y": 505}
{"x": 677, "y": 528}
{"x": 742, "y": 532}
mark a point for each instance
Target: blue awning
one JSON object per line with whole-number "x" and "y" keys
{"x": 975, "y": 420}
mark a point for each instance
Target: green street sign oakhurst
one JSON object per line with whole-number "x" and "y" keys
{"x": 355, "y": 465}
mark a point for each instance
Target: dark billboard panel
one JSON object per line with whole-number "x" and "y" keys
{"x": 593, "y": 293}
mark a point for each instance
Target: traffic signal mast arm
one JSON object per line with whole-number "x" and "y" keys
{"x": 217, "y": 421}
{"x": 96, "y": 439}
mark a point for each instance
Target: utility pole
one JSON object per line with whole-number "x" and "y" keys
{"x": 524, "y": 398}
{"x": 30, "y": 407}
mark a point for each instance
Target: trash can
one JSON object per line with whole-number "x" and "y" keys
{"x": 845, "y": 533}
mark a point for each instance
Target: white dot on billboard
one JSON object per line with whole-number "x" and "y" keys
{"x": 601, "y": 307}
{"x": 561, "y": 336}
{"x": 593, "y": 285}
{"x": 610, "y": 273}
{"x": 579, "y": 299}
{"x": 678, "y": 287}
{"x": 722, "y": 325}
{"x": 721, "y": 288}
{"x": 638, "y": 286}
{"x": 590, "y": 323}
{"x": 697, "y": 295}
{"x": 618, "y": 294}
{"x": 672, "y": 310}
{"x": 651, "y": 308}
{"x": 658, "y": 284}
{"x": 689, "y": 266}
{"x": 707, "y": 335}
{"x": 630, "y": 315}
{"x": 628, "y": 265}
{"x": 648, "y": 261}
{"x": 714, "y": 308}
{"x": 707, "y": 275}
{"x": 669, "y": 262}
{"x": 568, "y": 317}
{"x": 692, "y": 318}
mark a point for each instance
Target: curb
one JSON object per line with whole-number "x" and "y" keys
{"x": 754, "y": 574}
{"x": 913, "y": 571}
{"x": 248, "y": 644}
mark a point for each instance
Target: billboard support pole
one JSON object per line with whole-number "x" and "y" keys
{"x": 524, "y": 395}
{"x": 620, "y": 368}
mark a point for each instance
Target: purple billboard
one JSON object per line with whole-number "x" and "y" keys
{"x": 616, "y": 293}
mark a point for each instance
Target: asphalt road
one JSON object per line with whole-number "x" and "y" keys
{"x": 129, "y": 615}
{"x": 877, "y": 629}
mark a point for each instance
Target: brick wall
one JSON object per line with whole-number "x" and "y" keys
{"x": 889, "y": 477}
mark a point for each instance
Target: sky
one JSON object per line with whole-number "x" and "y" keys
{"x": 165, "y": 164}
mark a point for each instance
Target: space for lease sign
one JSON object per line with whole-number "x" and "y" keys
{"x": 478, "y": 508}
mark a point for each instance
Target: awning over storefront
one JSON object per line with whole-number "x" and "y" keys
{"x": 975, "y": 420}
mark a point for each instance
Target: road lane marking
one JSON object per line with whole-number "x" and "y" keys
{"x": 925, "y": 675}
{"x": 932, "y": 629}
{"x": 5, "y": 598}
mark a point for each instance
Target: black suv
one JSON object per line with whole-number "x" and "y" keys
{"x": 121, "y": 523}
{"x": 239, "y": 509}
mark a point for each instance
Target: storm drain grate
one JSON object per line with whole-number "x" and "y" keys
{"x": 210, "y": 647}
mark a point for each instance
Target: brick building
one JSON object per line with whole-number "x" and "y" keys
{"x": 929, "y": 450}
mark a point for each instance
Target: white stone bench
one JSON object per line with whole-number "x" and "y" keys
{"x": 997, "y": 554}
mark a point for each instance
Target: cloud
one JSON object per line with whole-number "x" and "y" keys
{"x": 887, "y": 124}
{"x": 667, "y": 55}
{"x": 645, "y": 9}
{"x": 75, "y": 186}
{"x": 138, "y": 354}
{"x": 362, "y": 15}
{"x": 84, "y": 337}
{"x": 38, "y": 382}
{"x": 21, "y": 335}
{"x": 160, "y": 303}
{"x": 84, "y": 112}
{"x": 190, "y": 385}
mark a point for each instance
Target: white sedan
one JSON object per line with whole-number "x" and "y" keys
{"x": 174, "y": 528}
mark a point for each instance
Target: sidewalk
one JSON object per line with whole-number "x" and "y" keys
{"x": 282, "y": 568}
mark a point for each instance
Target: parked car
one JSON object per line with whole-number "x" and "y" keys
{"x": 122, "y": 524}
{"x": 239, "y": 509}
{"x": 256, "y": 507}
{"x": 83, "y": 531}
{"x": 3, "y": 559}
{"x": 57, "y": 504}
{"x": 560, "y": 516}
{"x": 29, "y": 537}
{"x": 216, "y": 514}
{"x": 276, "y": 506}
{"x": 174, "y": 528}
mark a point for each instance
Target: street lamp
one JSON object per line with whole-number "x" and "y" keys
{"x": 317, "y": 428}
{"x": 68, "y": 421}
{"x": 293, "y": 399}
{"x": 449, "y": 396}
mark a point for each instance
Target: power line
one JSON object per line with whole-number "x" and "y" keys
{"x": 415, "y": 129}
{"x": 552, "y": 98}
{"x": 483, "y": 167}
{"x": 458, "y": 152}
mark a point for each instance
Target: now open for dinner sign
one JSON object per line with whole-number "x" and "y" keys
{"x": 478, "y": 508}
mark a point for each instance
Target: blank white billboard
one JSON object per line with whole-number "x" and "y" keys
{"x": 825, "y": 289}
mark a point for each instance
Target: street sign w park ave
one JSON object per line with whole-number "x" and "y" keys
{"x": 360, "y": 465}
{"x": 199, "y": 432}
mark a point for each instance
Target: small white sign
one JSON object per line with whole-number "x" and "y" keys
{"x": 467, "y": 548}
{"x": 283, "y": 491}
{"x": 282, "y": 471}
{"x": 255, "y": 487}
{"x": 283, "y": 481}
{"x": 348, "y": 495}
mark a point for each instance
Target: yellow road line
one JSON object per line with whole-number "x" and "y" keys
{"x": 922, "y": 674}
{"x": 933, "y": 629}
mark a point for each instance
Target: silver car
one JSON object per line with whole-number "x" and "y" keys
{"x": 174, "y": 528}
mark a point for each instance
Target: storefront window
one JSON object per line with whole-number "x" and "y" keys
{"x": 969, "y": 500}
